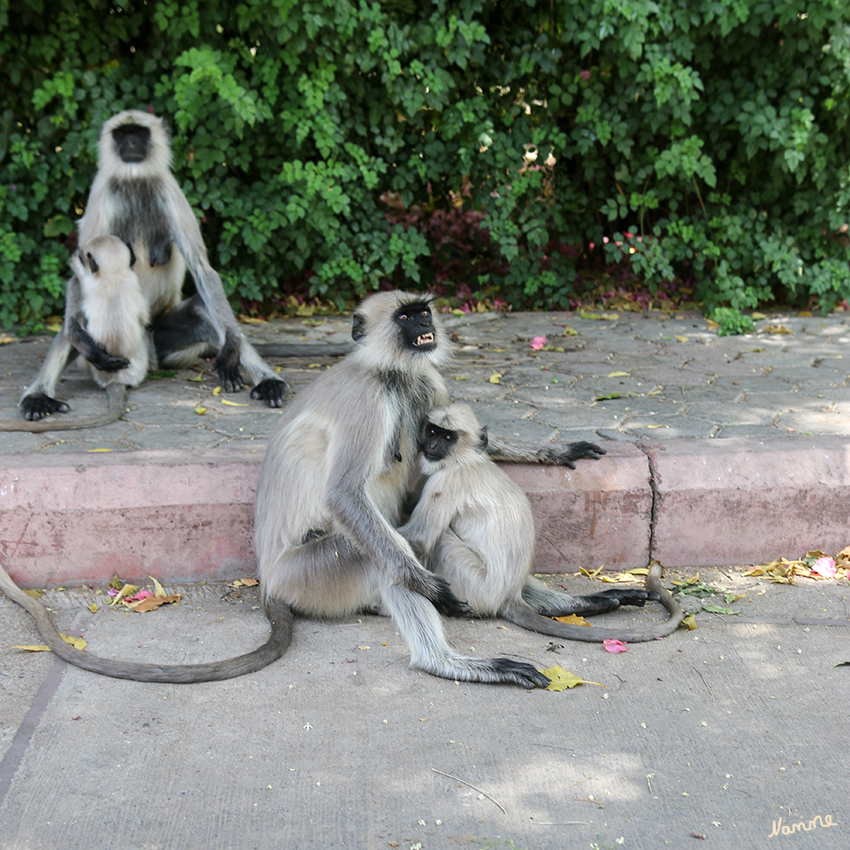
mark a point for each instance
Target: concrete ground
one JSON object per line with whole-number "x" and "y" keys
{"x": 723, "y": 452}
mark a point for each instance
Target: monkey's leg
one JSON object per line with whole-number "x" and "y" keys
{"x": 553, "y": 603}
{"x": 188, "y": 332}
{"x": 520, "y": 612}
{"x": 422, "y": 630}
{"x": 557, "y": 454}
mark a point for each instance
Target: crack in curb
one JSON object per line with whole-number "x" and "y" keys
{"x": 656, "y": 498}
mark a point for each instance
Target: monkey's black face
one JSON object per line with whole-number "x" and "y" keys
{"x": 132, "y": 142}
{"x": 436, "y": 443}
{"x": 417, "y": 326}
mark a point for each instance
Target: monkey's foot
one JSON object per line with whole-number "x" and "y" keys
{"x": 39, "y": 405}
{"x": 565, "y": 455}
{"x": 230, "y": 377}
{"x": 624, "y": 596}
{"x": 519, "y": 673}
{"x": 272, "y": 391}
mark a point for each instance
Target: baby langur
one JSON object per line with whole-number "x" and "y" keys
{"x": 115, "y": 313}
{"x": 473, "y": 526}
{"x": 109, "y": 329}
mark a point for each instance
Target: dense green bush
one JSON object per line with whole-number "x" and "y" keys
{"x": 508, "y": 148}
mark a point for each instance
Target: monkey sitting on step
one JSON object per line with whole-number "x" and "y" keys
{"x": 473, "y": 526}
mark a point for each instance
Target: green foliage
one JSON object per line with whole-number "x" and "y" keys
{"x": 334, "y": 147}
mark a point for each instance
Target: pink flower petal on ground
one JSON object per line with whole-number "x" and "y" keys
{"x": 538, "y": 342}
{"x": 824, "y": 567}
{"x": 614, "y": 646}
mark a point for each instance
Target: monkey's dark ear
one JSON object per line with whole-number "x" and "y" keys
{"x": 95, "y": 268}
{"x": 358, "y": 328}
{"x": 483, "y": 440}
{"x": 132, "y": 254}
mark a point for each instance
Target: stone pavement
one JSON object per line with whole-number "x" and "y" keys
{"x": 721, "y": 452}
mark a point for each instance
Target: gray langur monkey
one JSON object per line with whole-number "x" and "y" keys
{"x": 473, "y": 526}
{"x": 333, "y": 483}
{"x": 136, "y": 198}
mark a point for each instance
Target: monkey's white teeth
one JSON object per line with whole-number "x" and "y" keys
{"x": 424, "y": 339}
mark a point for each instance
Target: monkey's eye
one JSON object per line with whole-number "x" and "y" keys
{"x": 403, "y": 317}
{"x": 449, "y": 438}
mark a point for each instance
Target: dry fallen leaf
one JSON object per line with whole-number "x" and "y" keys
{"x": 149, "y": 603}
{"x": 78, "y": 643}
{"x": 126, "y": 590}
{"x": 562, "y": 679}
{"x": 575, "y": 619}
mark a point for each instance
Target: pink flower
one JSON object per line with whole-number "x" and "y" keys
{"x": 824, "y": 567}
{"x": 538, "y": 342}
{"x": 614, "y": 646}
{"x": 585, "y": 75}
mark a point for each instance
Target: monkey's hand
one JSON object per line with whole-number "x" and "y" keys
{"x": 39, "y": 405}
{"x": 101, "y": 359}
{"x": 272, "y": 391}
{"x": 565, "y": 455}
{"x": 437, "y": 591}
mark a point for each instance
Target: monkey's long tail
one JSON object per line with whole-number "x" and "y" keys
{"x": 522, "y": 614}
{"x": 116, "y": 395}
{"x": 280, "y": 617}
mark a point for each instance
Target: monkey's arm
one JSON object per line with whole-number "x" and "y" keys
{"x": 234, "y": 348}
{"x": 355, "y": 512}
{"x": 557, "y": 454}
{"x": 430, "y": 518}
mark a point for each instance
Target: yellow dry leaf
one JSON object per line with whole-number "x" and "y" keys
{"x": 562, "y": 679}
{"x": 314, "y": 365}
{"x": 712, "y": 325}
{"x": 158, "y": 589}
{"x": 807, "y": 314}
{"x": 217, "y": 391}
{"x": 94, "y": 451}
{"x": 250, "y": 582}
{"x": 778, "y": 329}
{"x": 5, "y": 339}
{"x": 496, "y": 377}
{"x": 35, "y": 593}
{"x": 682, "y": 338}
{"x": 250, "y": 320}
{"x": 78, "y": 643}
{"x": 591, "y": 573}
{"x": 690, "y": 621}
{"x": 618, "y": 375}
{"x": 570, "y": 332}
{"x": 575, "y": 619}
{"x": 234, "y": 403}
{"x": 757, "y": 316}
{"x": 200, "y": 410}
{"x": 94, "y": 608}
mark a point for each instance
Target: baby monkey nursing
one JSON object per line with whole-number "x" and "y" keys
{"x": 473, "y": 526}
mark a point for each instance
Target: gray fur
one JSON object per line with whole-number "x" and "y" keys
{"x": 473, "y": 526}
{"x": 331, "y": 490}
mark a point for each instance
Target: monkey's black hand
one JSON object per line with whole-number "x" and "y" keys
{"x": 564, "y": 456}
{"x": 39, "y": 405}
{"x": 272, "y": 391}
{"x": 444, "y": 600}
{"x": 101, "y": 359}
{"x": 520, "y": 673}
{"x": 628, "y": 596}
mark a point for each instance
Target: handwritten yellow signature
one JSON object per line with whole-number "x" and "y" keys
{"x": 801, "y": 826}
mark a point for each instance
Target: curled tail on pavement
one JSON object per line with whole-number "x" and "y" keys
{"x": 280, "y": 618}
